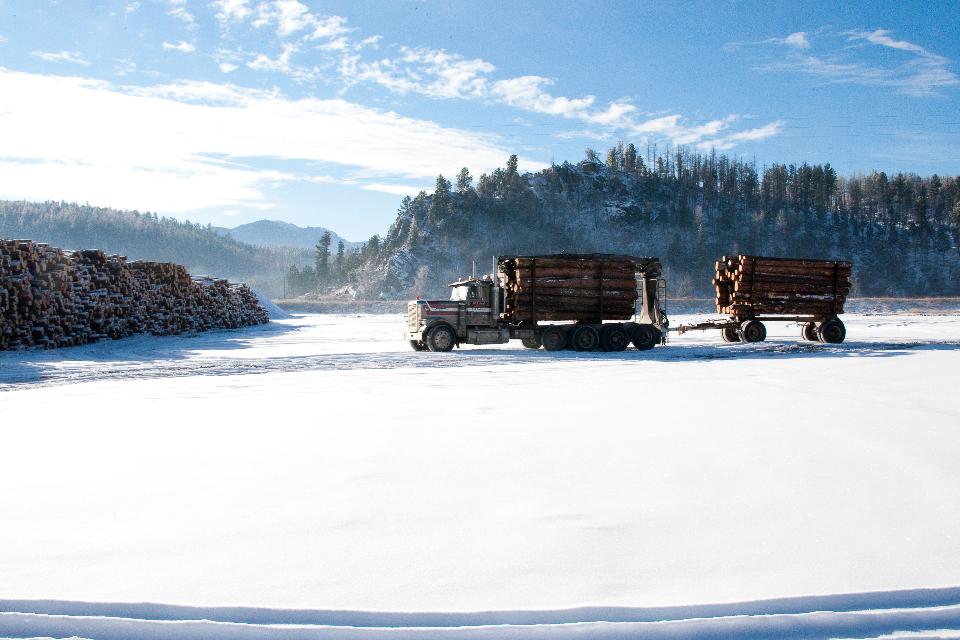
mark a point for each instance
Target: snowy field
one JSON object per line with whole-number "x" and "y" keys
{"x": 315, "y": 478}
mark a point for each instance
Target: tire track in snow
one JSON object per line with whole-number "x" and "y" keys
{"x": 42, "y": 371}
{"x": 865, "y": 615}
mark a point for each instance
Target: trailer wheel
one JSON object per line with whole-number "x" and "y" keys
{"x": 645, "y": 337}
{"x": 554, "y": 339}
{"x": 613, "y": 337}
{"x": 809, "y": 331}
{"x": 730, "y": 334}
{"x": 832, "y": 331}
{"x": 531, "y": 343}
{"x": 441, "y": 338}
{"x": 416, "y": 345}
{"x": 753, "y": 331}
{"x": 585, "y": 338}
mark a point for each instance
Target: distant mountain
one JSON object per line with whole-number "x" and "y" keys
{"x": 276, "y": 233}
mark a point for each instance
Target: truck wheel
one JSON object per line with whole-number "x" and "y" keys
{"x": 585, "y": 338}
{"x": 753, "y": 331}
{"x": 531, "y": 343}
{"x": 554, "y": 339}
{"x": 645, "y": 337}
{"x": 730, "y": 334}
{"x": 441, "y": 338}
{"x": 809, "y": 331}
{"x": 613, "y": 337}
{"x": 416, "y": 345}
{"x": 832, "y": 331}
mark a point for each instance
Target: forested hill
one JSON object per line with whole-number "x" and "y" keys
{"x": 145, "y": 236}
{"x": 687, "y": 208}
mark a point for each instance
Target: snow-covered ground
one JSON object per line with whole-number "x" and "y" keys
{"x": 318, "y": 464}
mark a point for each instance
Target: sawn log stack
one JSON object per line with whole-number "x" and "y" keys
{"x": 51, "y": 297}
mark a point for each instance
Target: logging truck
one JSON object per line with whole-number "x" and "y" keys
{"x": 583, "y": 302}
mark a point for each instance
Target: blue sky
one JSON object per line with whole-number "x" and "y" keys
{"x": 326, "y": 113}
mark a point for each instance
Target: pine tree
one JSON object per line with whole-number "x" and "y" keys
{"x": 322, "y": 260}
{"x": 630, "y": 158}
{"x": 339, "y": 262}
{"x": 440, "y": 203}
{"x": 464, "y": 181}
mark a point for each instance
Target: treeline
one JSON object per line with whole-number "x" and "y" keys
{"x": 688, "y": 208}
{"x": 333, "y": 270}
{"x": 146, "y": 236}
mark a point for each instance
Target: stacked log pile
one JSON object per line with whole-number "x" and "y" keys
{"x": 751, "y": 285}
{"x": 569, "y": 287}
{"x": 51, "y": 298}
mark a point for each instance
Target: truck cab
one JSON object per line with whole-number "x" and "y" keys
{"x": 471, "y": 315}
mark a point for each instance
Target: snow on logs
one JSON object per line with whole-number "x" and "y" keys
{"x": 751, "y": 285}
{"x": 51, "y": 298}
{"x": 569, "y": 288}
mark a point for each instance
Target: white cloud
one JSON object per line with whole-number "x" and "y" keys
{"x": 797, "y": 40}
{"x": 230, "y": 11}
{"x": 443, "y": 75}
{"x": 435, "y": 73}
{"x": 72, "y": 57}
{"x": 293, "y": 17}
{"x": 124, "y": 67}
{"x": 908, "y": 68}
{"x": 186, "y": 146}
{"x": 182, "y": 47}
{"x": 227, "y": 67}
{"x": 184, "y": 16}
{"x": 330, "y": 27}
{"x": 131, "y": 7}
{"x": 395, "y": 189}
{"x": 750, "y": 135}
{"x": 280, "y": 64}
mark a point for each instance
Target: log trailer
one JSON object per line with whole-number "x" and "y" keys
{"x": 584, "y": 302}
{"x": 752, "y": 290}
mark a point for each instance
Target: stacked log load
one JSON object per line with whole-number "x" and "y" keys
{"x": 560, "y": 287}
{"x": 51, "y": 298}
{"x": 752, "y": 285}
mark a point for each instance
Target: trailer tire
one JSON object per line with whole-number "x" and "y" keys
{"x": 554, "y": 339}
{"x": 645, "y": 337}
{"x": 832, "y": 331}
{"x": 585, "y": 338}
{"x": 416, "y": 345}
{"x": 730, "y": 334}
{"x": 753, "y": 331}
{"x": 531, "y": 343}
{"x": 613, "y": 337}
{"x": 441, "y": 338}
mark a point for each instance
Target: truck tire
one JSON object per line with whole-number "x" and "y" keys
{"x": 531, "y": 343}
{"x": 585, "y": 338}
{"x": 416, "y": 345}
{"x": 730, "y": 334}
{"x": 832, "y": 331}
{"x": 809, "y": 331}
{"x": 645, "y": 337}
{"x": 753, "y": 331}
{"x": 613, "y": 337}
{"x": 554, "y": 339}
{"x": 441, "y": 338}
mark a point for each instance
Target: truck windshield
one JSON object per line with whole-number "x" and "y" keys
{"x": 459, "y": 293}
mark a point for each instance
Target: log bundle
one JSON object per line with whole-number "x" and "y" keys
{"x": 51, "y": 297}
{"x": 576, "y": 287}
{"x": 748, "y": 286}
